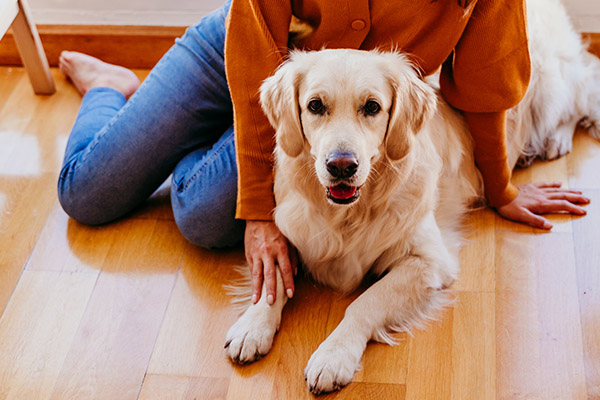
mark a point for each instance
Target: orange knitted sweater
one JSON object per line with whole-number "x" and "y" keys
{"x": 483, "y": 54}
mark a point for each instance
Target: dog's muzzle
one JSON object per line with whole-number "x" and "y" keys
{"x": 341, "y": 167}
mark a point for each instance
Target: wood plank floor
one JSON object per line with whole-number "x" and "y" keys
{"x": 133, "y": 311}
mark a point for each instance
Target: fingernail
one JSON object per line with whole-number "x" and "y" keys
{"x": 290, "y": 293}
{"x": 270, "y": 299}
{"x": 547, "y": 225}
{"x": 254, "y": 298}
{"x": 582, "y": 211}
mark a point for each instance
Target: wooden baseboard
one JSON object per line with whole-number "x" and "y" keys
{"x": 129, "y": 46}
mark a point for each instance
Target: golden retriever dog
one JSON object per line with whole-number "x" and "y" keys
{"x": 374, "y": 172}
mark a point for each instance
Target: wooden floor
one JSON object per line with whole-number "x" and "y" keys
{"x": 132, "y": 311}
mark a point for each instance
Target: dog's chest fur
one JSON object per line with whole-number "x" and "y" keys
{"x": 340, "y": 255}
{"x": 340, "y": 245}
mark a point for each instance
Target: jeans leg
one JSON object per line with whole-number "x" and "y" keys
{"x": 203, "y": 195}
{"x": 119, "y": 153}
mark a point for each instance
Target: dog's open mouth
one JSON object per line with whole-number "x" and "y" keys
{"x": 343, "y": 194}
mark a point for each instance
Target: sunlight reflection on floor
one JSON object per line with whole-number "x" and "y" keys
{"x": 19, "y": 154}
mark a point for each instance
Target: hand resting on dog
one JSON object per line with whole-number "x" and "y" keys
{"x": 266, "y": 250}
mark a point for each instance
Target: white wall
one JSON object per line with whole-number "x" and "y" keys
{"x": 585, "y": 13}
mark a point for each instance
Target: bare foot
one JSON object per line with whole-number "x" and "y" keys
{"x": 87, "y": 72}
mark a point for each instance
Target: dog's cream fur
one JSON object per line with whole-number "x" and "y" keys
{"x": 416, "y": 174}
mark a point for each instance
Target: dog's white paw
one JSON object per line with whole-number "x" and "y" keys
{"x": 251, "y": 337}
{"x": 592, "y": 126}
{"x": 332, "y": 366}
{"x": 557, "y": 146}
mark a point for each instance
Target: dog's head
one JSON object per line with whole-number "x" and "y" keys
{"x": 348, "y": 109}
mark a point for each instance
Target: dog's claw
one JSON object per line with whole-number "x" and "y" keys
{"x": 315, "y": 385}
{"x": 227, "y": 343}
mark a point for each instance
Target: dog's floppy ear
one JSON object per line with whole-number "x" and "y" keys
{"x": 279, "y": 100}
{"x": 414, "y": 103}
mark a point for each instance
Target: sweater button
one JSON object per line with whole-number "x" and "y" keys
{"x": 358, "y": 24}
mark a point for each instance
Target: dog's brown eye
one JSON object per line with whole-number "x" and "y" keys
{"x": 372, "y": 107}
{"x": 316, "y": 107}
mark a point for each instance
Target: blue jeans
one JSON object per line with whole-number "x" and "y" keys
{"x": 179, "y": 121}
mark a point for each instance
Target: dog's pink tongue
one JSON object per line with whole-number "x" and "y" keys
{"x": 342, "y": 191}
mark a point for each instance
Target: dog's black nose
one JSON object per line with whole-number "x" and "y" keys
{"x": 341, "y": 165}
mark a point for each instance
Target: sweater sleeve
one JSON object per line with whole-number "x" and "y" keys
{"x": 255, "y": 45}
{"x": 488, "y": 131}
{"x": 487, "y": 74}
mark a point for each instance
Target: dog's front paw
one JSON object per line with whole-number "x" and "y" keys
{"x": 592, "y": 126}
{"x": 251, "y": 337}
{"x": 557, "y": 146}
{"x": 331, "y": 367}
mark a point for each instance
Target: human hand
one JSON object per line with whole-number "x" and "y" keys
{"x": 267, "y": 249}
{"x": 542, "y": 198}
